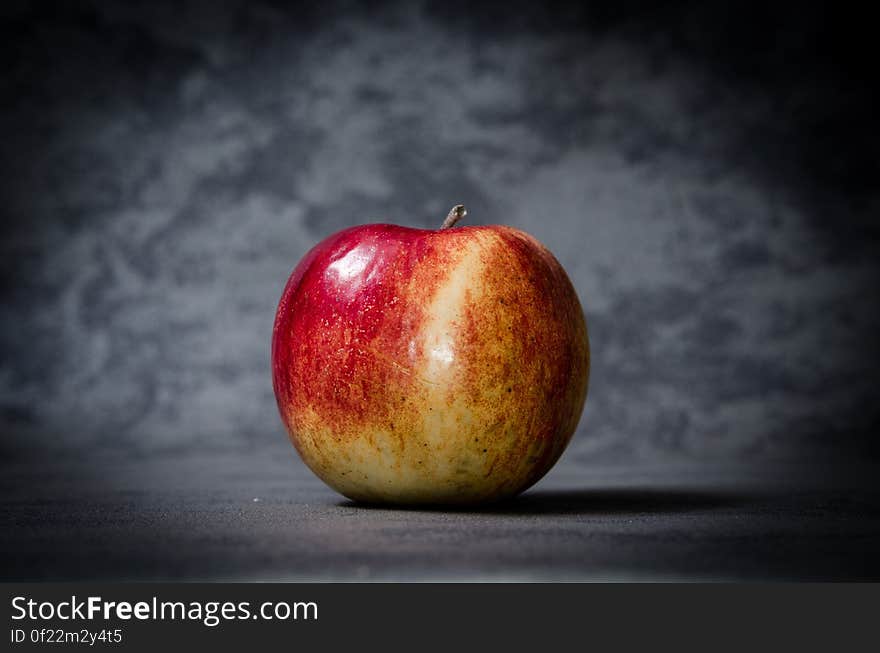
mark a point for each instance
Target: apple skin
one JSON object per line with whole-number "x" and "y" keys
{"x": 420, "y": 366}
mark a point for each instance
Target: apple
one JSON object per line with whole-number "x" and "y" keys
{"x": 442, "y": 366}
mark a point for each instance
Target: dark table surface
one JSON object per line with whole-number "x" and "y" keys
{"x": 263, "y": 516}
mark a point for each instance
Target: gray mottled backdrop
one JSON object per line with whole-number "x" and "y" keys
{"x": 701, "y": 176}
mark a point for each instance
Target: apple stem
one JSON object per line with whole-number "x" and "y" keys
{"x": 455, "y": 214}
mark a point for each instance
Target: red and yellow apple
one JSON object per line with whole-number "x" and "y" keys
{"x": 430, "y": 366}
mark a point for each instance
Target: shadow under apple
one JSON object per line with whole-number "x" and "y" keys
{"x": 593, "y": 501}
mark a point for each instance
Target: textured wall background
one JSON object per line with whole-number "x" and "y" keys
{"x": 706, "y": 178}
